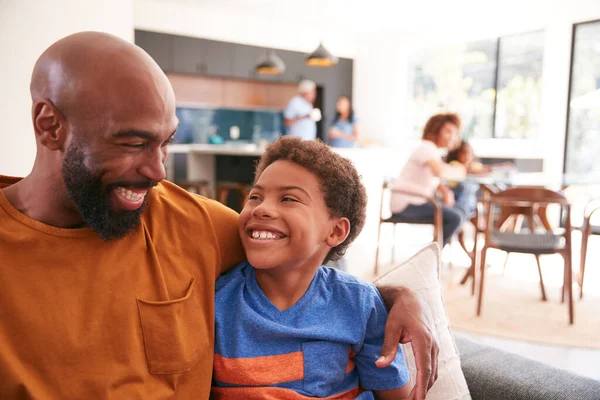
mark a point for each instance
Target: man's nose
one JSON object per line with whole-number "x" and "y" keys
{"x": 153, "y": 167}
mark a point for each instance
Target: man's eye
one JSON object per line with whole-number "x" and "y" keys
{"x": 168, "y": 142}
{"x": 253, "y": 197}
{"x": 135, "y": 145}
{"x": 289, "y": 199}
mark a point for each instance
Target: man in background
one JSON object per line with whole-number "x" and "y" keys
{"x": 300, "y": 116}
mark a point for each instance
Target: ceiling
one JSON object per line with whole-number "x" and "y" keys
{"x": 400, "y": 15}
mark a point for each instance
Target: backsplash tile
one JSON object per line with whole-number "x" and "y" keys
{"x": 196, "y": 125}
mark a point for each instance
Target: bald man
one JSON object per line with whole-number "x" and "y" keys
{"x": 107, "y": 271}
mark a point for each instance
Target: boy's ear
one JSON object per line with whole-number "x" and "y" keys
{"x": 339, "y": 232}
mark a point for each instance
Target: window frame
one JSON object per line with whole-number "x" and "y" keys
{"x": 571, "y": 64}
{"x": 497, "y": 82}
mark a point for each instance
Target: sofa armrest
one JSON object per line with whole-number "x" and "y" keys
{"x": 493, "y": 374}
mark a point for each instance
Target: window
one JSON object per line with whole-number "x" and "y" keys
{"x": 465, "y": 79}
{"x": 583, "y": 126}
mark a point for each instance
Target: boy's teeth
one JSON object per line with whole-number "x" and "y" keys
{"x": 263, "y": 235}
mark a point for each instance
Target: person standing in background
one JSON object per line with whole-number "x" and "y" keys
{"x": 344, "y": 130}
{"x": 300, "y": 116}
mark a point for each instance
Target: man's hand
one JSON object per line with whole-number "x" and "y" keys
{"x": 410, "y": 321}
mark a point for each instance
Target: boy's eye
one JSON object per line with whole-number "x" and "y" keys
{"x": 288, "y": 199}
{"x": 253, "y": 197}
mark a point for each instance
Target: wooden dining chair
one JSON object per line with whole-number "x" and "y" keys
{"x": 478, "y": 221}
{"x": 397, "y": 219}
{"x": 531, "y": 242}
{"x": 587, "y": 230}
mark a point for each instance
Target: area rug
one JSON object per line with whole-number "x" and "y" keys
{"x": 514, "y": 309}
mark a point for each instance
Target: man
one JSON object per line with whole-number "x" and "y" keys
{"x": 106, "y": 271}
{"x": 299, "y": 116}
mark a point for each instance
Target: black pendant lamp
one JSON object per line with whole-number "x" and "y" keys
{"x": 321, "y": 57}
{"x": 270, "y": 64}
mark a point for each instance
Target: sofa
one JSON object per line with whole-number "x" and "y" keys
{"x": 493, "y": 374}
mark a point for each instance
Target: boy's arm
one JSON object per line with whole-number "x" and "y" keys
{"x": 370, "y": 375}
{"x": 394, "y": 394}
{"x": 410, "y": 321}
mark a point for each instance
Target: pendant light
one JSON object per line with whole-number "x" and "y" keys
{"x": 321, "y": 57}
{"x": 270, "y": 64}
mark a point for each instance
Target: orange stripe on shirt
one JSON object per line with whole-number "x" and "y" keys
{"x": 350, "y": 365}
{"x": 257, "y": 371}
{"x": 271, "y": 393}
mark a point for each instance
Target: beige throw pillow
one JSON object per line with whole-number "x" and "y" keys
{"x": 420, "y": 273}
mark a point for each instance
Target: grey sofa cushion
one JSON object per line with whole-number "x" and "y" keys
{"x": 493, "y": 374}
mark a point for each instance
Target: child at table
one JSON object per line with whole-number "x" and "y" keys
{"x": 285, "y": 326}
{"x": 465, "y": 194}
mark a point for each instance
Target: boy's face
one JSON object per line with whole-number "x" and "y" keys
{"x": 286, "y": 221}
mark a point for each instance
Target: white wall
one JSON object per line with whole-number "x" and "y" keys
{"x": 27, "y": 28}
{"x": 384, "y": 104}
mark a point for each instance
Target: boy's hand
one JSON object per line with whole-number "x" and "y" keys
{"x": 410, "y": 321}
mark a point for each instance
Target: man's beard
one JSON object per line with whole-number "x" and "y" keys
{"x": 92, "y": 198}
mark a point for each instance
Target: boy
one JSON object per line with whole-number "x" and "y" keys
{"x": 286, "y": 327}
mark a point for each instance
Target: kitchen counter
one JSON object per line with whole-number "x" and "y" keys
{"x": 246, "y": 149}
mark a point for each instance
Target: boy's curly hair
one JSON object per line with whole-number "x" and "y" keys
{"x": 343, "y": 191}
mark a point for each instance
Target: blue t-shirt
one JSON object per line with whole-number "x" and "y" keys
{"x": 305, "y": 128}
{"x": 325, "y": 344}
{"x": 347, "y": 127}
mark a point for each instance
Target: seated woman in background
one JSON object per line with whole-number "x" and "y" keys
{"x": 344, "y": 130}
{"x": 422, "y": 173}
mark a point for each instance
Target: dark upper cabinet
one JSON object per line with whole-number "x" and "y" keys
{"x": 244, "y": 60}
{"x": 218, "y": 57}
{"x": 200, "y": 56}
{"x": 159, "y": 46}
{"x": 295, "y": 64}
{"x": 344, "y": 75}
{"x": 186, "y": 55}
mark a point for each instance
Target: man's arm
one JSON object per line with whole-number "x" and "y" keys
{"x": 410, "y": 321}
{"x": 291, "y": 121}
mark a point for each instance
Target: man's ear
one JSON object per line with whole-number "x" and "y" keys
{"x": 49, "y": 125}
{"x": 339, "y": 232}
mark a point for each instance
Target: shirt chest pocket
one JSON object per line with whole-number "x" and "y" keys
{"x": 325, "y": 366}
{"x": 174, "y": 331}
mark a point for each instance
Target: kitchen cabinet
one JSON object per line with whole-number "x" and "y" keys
{"x": 244, "y": 60}
{"x": 159, "y": 46}
{"x": 294, "y": 62}
{"x": 200, "y": 56}
{"x": 210, "y": 58}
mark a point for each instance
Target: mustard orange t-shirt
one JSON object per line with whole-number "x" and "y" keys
{"x": 132, "y": 318}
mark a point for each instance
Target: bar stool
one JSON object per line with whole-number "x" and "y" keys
{"x": 224, "y": 189}
{"x": 199, "y": 187}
